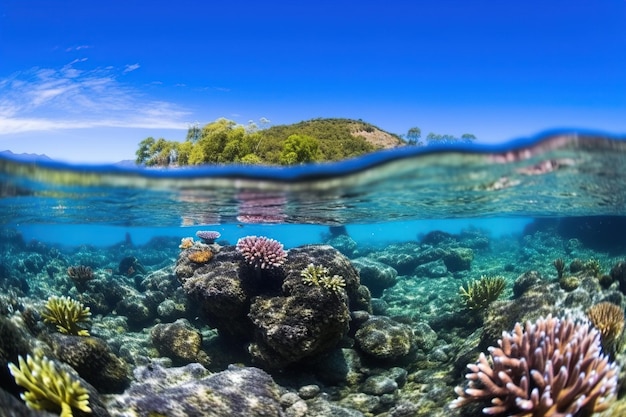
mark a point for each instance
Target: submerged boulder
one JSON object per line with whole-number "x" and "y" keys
{"x": 375, "y": 275}
{"x": 280, "y": 312}
{"x": 189, "y": 392}
{"x": 383, "y": 338}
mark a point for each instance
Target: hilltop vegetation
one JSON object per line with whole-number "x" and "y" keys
{"x": 224, "y": 141}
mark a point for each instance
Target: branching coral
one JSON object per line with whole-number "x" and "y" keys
{"x": 48, "y": 388}
{"x": 320, "y": 276}
{"x": 262, "y": 252}
{"x": 480, "y": 293}
{"x": 66, "y": 314}
{"x": 80, "y": 275}
{"x": 608, "y": 318}
{"x": 551, "y": 368}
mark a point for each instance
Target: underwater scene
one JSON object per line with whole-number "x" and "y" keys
{"x": 457, "y": 280}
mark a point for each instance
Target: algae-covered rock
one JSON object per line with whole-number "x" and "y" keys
{"x": 384, "y": 338}
{"x": 93, "y": 360}
{"x": 458, "y": 259}
{"x": 283, "y": 315}
{"x": 375, "y": 275}
{"x": 189, "y": 392}
{"x": 179, "y": 342}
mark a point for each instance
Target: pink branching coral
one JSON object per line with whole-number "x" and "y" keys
{"x": 261, "y": 252}
{"x": 551, "y": 368}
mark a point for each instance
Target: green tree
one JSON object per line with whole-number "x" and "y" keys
{"x": 209, "y": 148}
{"x": 158, "y": 152}
{"x": 468, "y": 137}
{"x": 184, "y": 152}
{"x": 144, "y": 151}
{"x": 299, "y": 149}
{"x": 414, "y": 135}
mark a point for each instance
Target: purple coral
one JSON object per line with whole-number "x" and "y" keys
{"x": 551, "y": 368}
{"x": 208, "y": 236}
{"x": 261, "y": 252}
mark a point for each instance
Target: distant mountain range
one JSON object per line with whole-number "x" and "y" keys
{"x": 26, "y": 156}
{"x": 34, "y": 157}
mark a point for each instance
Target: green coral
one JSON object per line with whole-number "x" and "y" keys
{"x": 66, "y": 314}
{"x": 48, "y": 388}
{"x": 482, "y": 292}
{"x": 319, "y": 275}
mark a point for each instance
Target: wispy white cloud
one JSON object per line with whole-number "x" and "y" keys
{"x": 130, "y": 68}
{"x": 77, "y": 48}
{"x": 42, "y": 99}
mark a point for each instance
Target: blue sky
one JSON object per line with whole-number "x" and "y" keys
{"x": 87, "y": 81}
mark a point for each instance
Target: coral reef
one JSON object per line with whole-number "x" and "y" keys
{"x": 200, "y": 256}
{"x": 551, "y": 367}
{"x": 608, "y": 318}
{"x": 261, "y": 252}
{"x": 208, "y": 236}
{"x": 80, "y": 275}
{"x": 482, "y": 292}
{"x": 186, "y": 243}
{"x": 318, "y": 275}
{"x": 66, "y": 314}
{"x": 281, "y": 317}
{"x": 48, "y": 388}
{"x": 559, "y": 265}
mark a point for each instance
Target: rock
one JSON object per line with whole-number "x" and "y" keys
{"x": 289, "y": 329}
{"x": 425, "y": 337}
{"x": 179, "y": 342}
{"x": 384, "y": 338}
{"x": 320, "y": 407}
{"x": 379, "y": 385}
{"x": 434, "y": 269}
{"x": 344, "y": 244}
{"x": 93, "y": 360}
{"x": 366, "y": 404}
{"x": 341, "y": 366}
{"x": 188, "y": 392}
{"x": 526, "y": 281}
{"x": 281, "y": 317}
{"x": 458, "y": 259}
{"x": 309, "y": 391}
{"x": 375, "y": 275}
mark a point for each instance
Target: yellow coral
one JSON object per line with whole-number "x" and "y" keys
{"x": 201, "y": 256}
{"x": 312, "y": 274}
{"x": 480, "y": 293}
{"x": 48, "y": 388}
{"x": 320, "y": 276}
{"x": 65, "y": 314}
{"x": 608, "y": 318}
{"x": 335, "y": 283}
{"x": 186, "y": 243}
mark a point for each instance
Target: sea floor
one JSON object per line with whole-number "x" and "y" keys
{"x": 163, "y": 342}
